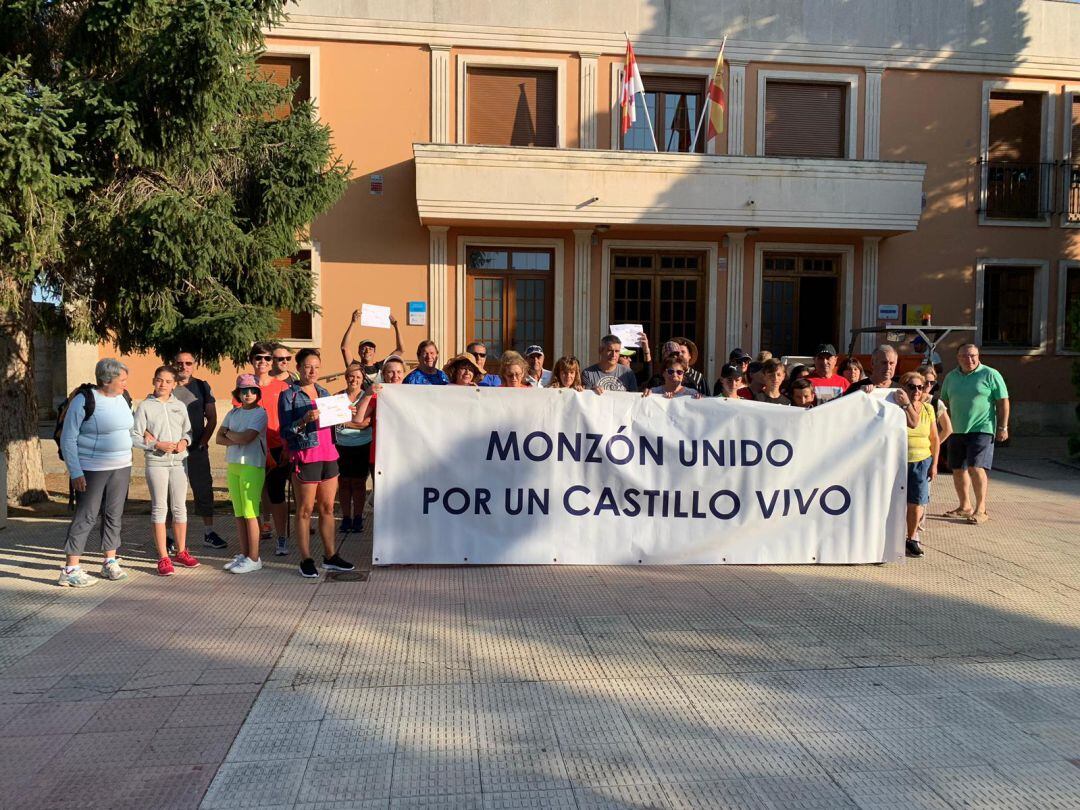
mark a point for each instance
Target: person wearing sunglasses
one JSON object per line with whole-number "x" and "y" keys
{"x": 674, "y": 385}
{"x": 923, "y": 449}
{"x": 196, "y": 396}
{"x": 479, "y": 351}
{"x": 261, "y": 357}
{"x": 282, "y": 356}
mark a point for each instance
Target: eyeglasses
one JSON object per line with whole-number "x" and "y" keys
{"x": 913, "y": 387}
{"x": 243, "y": 391}
{"x": 479, "y": 354}
{"x": 674, "y": 372}
{"x": 282, "y": 358}
{"x": 185, "y": 362}
{"x": 261, "y": 358}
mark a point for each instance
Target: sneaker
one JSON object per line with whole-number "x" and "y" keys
{"x": 913, "y": 548}
{"x": 308, "y": 569}
{"x": 232, "y": 563}
{"x": 246, "y": 566}
{"x": 76, "y": 578}
{"x": 358, "y": 524}
{"x": 336, "y": 563}
{"x": 165, "y": 567}
{"x": 346, "y": 525}
{"x": 185, "y": 559}
{"x": 170, "y": 547}
{"x": 212, "y": 540}
{"x": 282, "y": 547}
{"x": 266, "y": 532}
{"x": 111, "y": 570}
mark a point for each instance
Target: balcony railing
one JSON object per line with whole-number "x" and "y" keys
{"x": 1030, "y": 191}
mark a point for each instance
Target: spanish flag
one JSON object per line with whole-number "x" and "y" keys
{"x": 716, "y": 100}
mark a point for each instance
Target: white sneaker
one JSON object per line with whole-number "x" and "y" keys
{"x": 76, "y": 578}
{"x": 112, "y": 570}
{"x": 246, "y": 566}
{"x": 229, "y": 566}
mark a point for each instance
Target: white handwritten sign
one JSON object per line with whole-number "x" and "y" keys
{"x": 375, "y": 315}
{"x": 333, "y": 410}
{"x": 628, "y": 333}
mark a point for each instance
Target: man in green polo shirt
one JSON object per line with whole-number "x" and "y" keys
{"x": 978, "y": 403}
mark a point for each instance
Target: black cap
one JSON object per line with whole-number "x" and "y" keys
{"x": 534, "y": 349}
{"x": 730, "y": 371}
{"x": 739, "y": 356}
{"x": 825, "y": 348}
{"x": 754, "y": 367}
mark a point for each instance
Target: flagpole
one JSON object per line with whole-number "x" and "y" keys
{"x": 708, "y": 101}
{"x": 645, "y": 104}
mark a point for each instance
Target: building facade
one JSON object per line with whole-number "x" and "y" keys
{"x": 876, "y": 159}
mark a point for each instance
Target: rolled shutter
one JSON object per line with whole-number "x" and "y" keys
{"x": 282, "y": 70}
{"x": 509, "y": 107}
{"x": 1015, "y": 120}
{"x": 1076, "y": 130}
{"x": 805, "y": 119}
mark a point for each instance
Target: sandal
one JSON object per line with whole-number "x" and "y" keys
{"x": 957, "y": 513}
{"x": 976, "y": 518}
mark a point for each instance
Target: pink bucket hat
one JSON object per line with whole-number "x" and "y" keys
{"x": 246, "y": 381}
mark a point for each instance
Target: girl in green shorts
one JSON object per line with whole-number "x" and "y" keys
{"x": 243, "y": 433}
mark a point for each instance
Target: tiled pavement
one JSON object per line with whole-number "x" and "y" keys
{"x": 952, "y": 681}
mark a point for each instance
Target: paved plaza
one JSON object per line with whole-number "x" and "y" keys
{"x": 951, "y": 681}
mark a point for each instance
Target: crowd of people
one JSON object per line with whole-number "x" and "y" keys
{"x": 273, "y": 438}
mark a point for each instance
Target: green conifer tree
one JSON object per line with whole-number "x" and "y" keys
{"x": 148, "y": 186}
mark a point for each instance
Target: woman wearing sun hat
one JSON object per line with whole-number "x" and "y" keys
{"x": 463, "y": 369}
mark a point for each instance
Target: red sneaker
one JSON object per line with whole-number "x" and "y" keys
{"x": 165, "y": 567}
{"x": 266, "y": 532}
{"x": 185, "y": 559}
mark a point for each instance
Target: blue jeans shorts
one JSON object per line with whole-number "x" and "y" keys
{"x": 918, "y": 481}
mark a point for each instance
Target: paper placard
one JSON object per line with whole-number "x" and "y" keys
{"x": 628, "y": 333}
{"x": 333, "y": 410}
{"x": 375, "y": 315}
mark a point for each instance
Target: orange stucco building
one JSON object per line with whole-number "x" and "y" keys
{"x": 868, "y": 162}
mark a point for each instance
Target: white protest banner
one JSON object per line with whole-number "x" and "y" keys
{"x": 628, "y": 333}
{"x": 333, "y": 410}
{"x": 467, "y": 475}
{"x": 375, "y": 315}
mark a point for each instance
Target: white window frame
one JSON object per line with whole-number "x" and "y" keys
{"x": 316, "y": 293}
{"x": 851, "y": 112}
{"x": 1046, "y": 149}
{"x": 314, "y": 76}
{"x": 847, "y": 283}
{"x": 1064, "y": 266}
{"x": 1069, "y": 93}
{"x": 465, "y": 61}
{"x": 647, "y": 69}
{"x": 558, "y": 246}
{"x": 1040, "y": 305}
{"x": 712, "y": 280}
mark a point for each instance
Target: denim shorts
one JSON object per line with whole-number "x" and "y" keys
{"x": 971, "y": 450}
{"x": 918, "y": 481}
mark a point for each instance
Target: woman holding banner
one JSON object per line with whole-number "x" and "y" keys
{"x": 567, "y": 374}
{"x": 674, "y": 376}
{"x": 393, "y": 372}
{"x": 512, "y": 369}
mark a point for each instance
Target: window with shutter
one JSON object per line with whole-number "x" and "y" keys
{"x": 1013, "y": 147}
{"x": 1072, "y": 169}
{"x": 511, "y": 107}
{"x": 805, "y": 119}
{"x": 295, "y": 325}
{"x": 1008, "y": 306}
{"x": 282, "y": 71}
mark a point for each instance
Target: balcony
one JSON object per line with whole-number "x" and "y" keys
{"x": 1016, "y": 191}
{"x": 498, "y": 184}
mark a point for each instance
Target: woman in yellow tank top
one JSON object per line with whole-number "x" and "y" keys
{"x": 923, "y": 448}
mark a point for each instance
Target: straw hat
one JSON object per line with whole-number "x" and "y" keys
{"x": 465, "y": 357}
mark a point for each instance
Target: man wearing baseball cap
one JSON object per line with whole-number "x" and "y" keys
{"x": 366, "y": 350}
{"x": 535, "y": 374}
{"x": 827, "y": 383}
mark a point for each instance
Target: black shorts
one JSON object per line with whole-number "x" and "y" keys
{"x": 315, "y": 472}
{"x": 354, "y": 461}
{"x": 971, "y": 450}
{"x": 277, "y": 476}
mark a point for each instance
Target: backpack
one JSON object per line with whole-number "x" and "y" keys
{"x": 89, "y": 403}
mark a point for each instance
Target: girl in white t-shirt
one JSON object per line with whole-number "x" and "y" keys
{"x": 243, "y": 434}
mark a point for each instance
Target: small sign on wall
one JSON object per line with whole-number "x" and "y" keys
{"x": 417, "y": 313}
{"x": 888, "y": 312}
{"x": 376, "y": 184}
